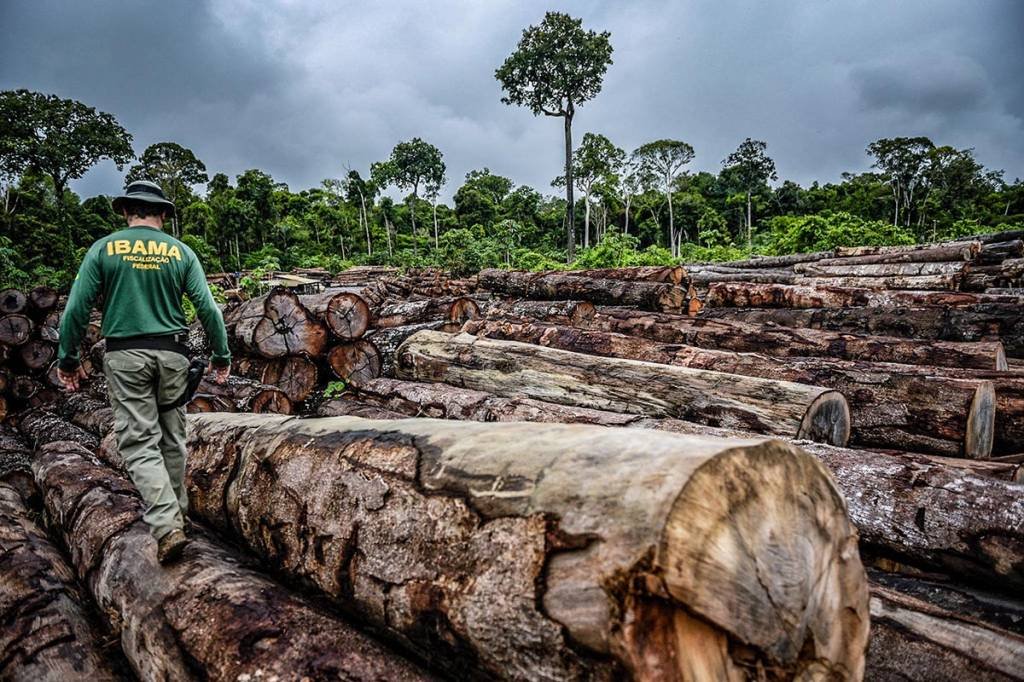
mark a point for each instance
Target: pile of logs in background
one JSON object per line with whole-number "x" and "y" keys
{"x": 660, "y": 473}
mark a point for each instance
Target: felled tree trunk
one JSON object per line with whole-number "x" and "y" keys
{"x": 922, "y": 283}
{"x": 15, "y": 330}
{"x": 12, "y": 301}
{"x": 839, "y": 269}
{"x": 518, "y": 369}
{"x": 344, "y": 312}
{"x": 484, "y": 547}
{"x": 891, "y": 405}
{"x": 558, "y": 286}
{"x": 49, "y": 328}
{"x": 774, "y": 261}
{"x": 405, "y": 313}
{"x": 46, "y": 634}
{"x": 355, "y": 362}
{"x": 708, "y": 277}
{"x": 555, "y": 312}
{"x": 997, "y": 252}
{"x": 208, "y": 616}
{"x": 388, "y": 339}
{"x": 777, "y": 341}
{"x": 947, "y": 251}
{"x": 42, "y": 299}
{"x": 914, "y": 640}
{"x": 41, "y": 427}
{"x": 276, "y": 325}
{"x": 1004, "y": 322}
{"x": 823, "y": 295}
{"x": 244, "y": 395}
{"x": 670, "y": 274}
{"x": 297, "y": 376}
{"x": 37, "y": 354}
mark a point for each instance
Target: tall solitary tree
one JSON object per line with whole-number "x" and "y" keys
{"x": 752, "y": 168}
{"x": 412, "y": 164}
{"x": 661, "y": 162}
{"x": 556, "y": 67}
{"x": 60, "y": 138}
{"x": 594, "y": 160}
{"x": 904, "y": 162}
{"x": 175, "y": 168}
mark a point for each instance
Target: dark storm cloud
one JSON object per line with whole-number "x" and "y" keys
{"x": 304, "y": 89}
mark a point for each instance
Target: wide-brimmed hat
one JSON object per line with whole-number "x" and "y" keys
{"x": 143, "y": 190}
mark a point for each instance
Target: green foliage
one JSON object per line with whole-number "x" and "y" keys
{"x": 335, "y": 389}
{"x": 618, "y": 250}
{"x": 204, "y": 252}
{"x": 796, "y": 234}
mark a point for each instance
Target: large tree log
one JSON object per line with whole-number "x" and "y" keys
{"x": 296, "y": 375}
{"x": 517, "y": 369}
{"x": 344, "y": 312}
{"x": 745, "y": 295}
{"x": 779, "y": 341}
{"x": 768, "y": 261}
{"x": 15, "y": 329}
{"x": 404, "y": 313}
{"x": 1003, "y": 322}
{"x": 705, "y": 278}
{"x": 881, "y": 269}
{"x": 914, "y": 640}
{"x": 997, "y": 252}
{"x": 889, "y": 407}
{"x": 46, "y": 634}
{"x": 42, "y": 427}
{"x": 42, "y": 300}
{"x": 276, "y": 325}
{"x": 670, "y": 274}
{"x": 37, "y": 354}
{"x": 483, "y": 546}
{"x": 49, "y": 328}
{"x": 929, "y": 512}
{"x": 388, "y": 339}
{"x": 557, "y": 312}
{"x": 560, "y": 286}
{"x": 922, "y": 283}
{"x": 993, "y": 237}
{"x": 209, "y": 616}
{"x": 954, "y": 250}
{"x": 244, "y": 395}
{"x": 12, "y": 301}
{"x": 355, "y": 362}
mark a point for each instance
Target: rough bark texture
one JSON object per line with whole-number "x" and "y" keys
{"x": 404, "y": 313}
{"x": 345, "y": 313}
{"x": 244, "y": 395}
{"x": 355, "y": 362}
{"x": 519, "y": 369}
{"x": 955, "y": 250}
{"x": 671, "y": 274}
{"x": 922, "y": 283}
{"x": 46, "y": 634}
{"x": 556, "y": 312}
{"x": 889, "y": 407}
{"x": 914, "y": 640}
{"x": 771, "y": 339}
{"x": 822, "y": 295}
{"x": 484, "y": 547}
{"x": 41, "y": 427}
{"x": 1003, "y": 322}
{"x": 209, "y": 616}
{"x": 388, "y": 339}
{"x": 840, "y": 269}
{"x": 559, "y": 286}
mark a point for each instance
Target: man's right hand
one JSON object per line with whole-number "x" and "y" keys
{"x": 220, "y": 374}
{"x": 71, "y": 380}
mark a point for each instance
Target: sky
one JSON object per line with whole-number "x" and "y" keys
{"x": 306, "y": 90}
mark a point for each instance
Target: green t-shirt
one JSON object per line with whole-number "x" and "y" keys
{"x": 142, "y": 273}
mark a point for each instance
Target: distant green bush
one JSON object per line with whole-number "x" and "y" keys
{"x": 827, "y": 230}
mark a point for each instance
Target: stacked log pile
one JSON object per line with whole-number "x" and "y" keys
{"x": 28, "y": 346}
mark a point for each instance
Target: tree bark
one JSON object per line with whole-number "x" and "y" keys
{"x": 244, "y": 395}
{"x": 388, "y": 339}
{"x": 482, "y": 546}
{"x": 665, "y": 274}
{"x": 12, "y": 301}
{"x": 749, "y": 295}
{"x": 209, "y": 616}
{"x": 559, "y": 286}
{"x": 779, "y": 341}
{"x": 570, "y": 206}
{"x": 922, "y": 283}
{"x": 46, "y": 634}
{"x": 355, "y": 362}
{"x": 15, "y": 329}
{"x": 889, "y": 407}
{"x": 889, "y": 270}
{"x": 955, "y": 250}
{"x": 448, "y": 309}
{"x": 912, "y": 639}
{"x": 509, "y": 368}
{"x": 1004, "y": 322}
{"x": 557, "y": 312}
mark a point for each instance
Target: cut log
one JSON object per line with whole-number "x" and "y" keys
{"x": 87, "y": 411}
{"x": 246, "y": 395}
{"x": 37, "y": 354}
{"x": 296, "y": 376}
{"x": 345, "y": 313}
{"x": 769, "y": 261}
{"x": 922, "y": 283}
{"x": 746, "y": 295}
{"x": 560, "y": 286}
{"x": 705, "y": 278}
{"x": 42, "y": 427}
{"x": 955, "y": 250}
{"x": 276, "y": 325}
{"x": 93, "y": 334}
{"x": 12, "y": 301}
{"x": 46, "y": 634}
{"x": 774, "y": 340}
{"x": 556, "y": 312}
{"x": 42, "y": 299}
{"x": 997, "y": 252}
{"x": 993, "y": 237}
{"x": 22, "y": 388}
{"x": 1003, "y": 322}
{"x": 49, "y": 328}
{"x": 388, "y": 339}
{"x": 15, "y": 330}
{"x": 209, "y": 616}
{"x": 350, "y": 406}
{"x": 518, "y": 369}
{"x": 881, "y": 269}
{"x": 891, "y": 406}
{"x": 355, "y": 362}
{"x": 484, "y": 547}
{"x": 404, "y": 313}
{"x": 914, "y": 640}
{"x": 670, "y": 274}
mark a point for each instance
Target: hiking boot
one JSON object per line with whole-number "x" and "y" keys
{"x": 170, "y": 546}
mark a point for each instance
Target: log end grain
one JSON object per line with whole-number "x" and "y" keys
{"x": 348, "y": 316}
{"x": 462, "y": 310}
{"x": 356, "y": 362}
{"x": 827, "y": 420}
{"x": 981, "y": 423}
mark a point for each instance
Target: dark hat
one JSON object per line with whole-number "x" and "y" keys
{"x": 143, "y": 190}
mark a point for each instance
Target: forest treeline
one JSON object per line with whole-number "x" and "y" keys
{"x": 621, "y": 206}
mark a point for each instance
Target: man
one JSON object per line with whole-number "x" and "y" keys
{"x": 142, "y": 273}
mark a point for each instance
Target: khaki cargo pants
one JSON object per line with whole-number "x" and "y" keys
{"x": 151, "y": 443}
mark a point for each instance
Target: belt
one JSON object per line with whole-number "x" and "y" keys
{"x": 172, "y": 342}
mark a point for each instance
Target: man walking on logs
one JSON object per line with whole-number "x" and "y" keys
{"x": 142, "y": 273}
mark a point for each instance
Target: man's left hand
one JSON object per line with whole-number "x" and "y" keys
{"x": 71, "y": 381}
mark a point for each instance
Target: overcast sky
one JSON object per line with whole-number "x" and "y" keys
{"x": 303, "y": 90}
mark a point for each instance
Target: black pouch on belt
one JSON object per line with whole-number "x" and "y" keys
{"x": 196, "y": 370}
